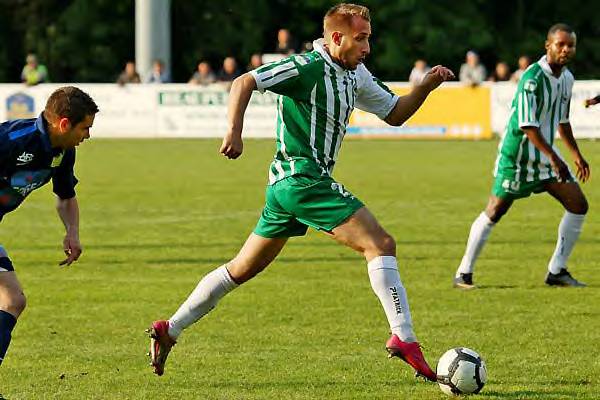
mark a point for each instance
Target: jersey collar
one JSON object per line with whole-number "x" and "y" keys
{"x": 319, "y": 46}
{"x": 543, "y": 62}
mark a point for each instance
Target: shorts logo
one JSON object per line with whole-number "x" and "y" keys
{"x": 509, "y": 185}
{"x": 340, "y": 188}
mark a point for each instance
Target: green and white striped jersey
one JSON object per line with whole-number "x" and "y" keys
{"x": 316, "y": 99}
{"x": 541, "y": 101}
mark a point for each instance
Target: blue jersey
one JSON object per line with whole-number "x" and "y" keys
{"x": 28, "y": 161}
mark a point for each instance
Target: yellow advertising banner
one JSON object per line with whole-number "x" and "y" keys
{"x": 451, "y": 111}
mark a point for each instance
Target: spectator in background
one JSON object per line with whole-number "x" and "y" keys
{"x": 524, "y": 62}
{"x": 418, "y": 72}
{"x": 285, "y": 44}
{"x": 472, "y": 72}
{"x": 203, "y": 75}
{"x": 501, "y": 73}
{"x": 229, "y": 71}
{"x": 306, "y": 47}
{"x": 255, "y": 62}
{"x": 129, "y": 74}
{"x": 158, "y": 73}
{"x": 33, "y": 72}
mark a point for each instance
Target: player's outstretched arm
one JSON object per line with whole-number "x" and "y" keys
{"x": 239, "y": 97}
{"x": 68, "y": 211}
{"x": 583, "y": 168}
{"x": 407, "y": 105}
{"x": 592, "y": 101}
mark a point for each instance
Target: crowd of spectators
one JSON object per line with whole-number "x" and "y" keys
{"x": 472, "y": 71}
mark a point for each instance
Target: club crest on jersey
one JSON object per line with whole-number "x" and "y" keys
{"x": 530, "y": 85}
{"x": 24, "y": 158}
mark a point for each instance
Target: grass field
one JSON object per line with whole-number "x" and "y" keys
{"x": 158, "y": 215}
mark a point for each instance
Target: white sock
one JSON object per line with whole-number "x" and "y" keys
{"x": 385, "y": 281}
{"x": 204, "y": 298}
{"x": 568, "y": 233}
{"x": 480, "y": 230}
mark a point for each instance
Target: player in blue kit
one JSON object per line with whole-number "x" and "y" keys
{"x": 33, "y": 152}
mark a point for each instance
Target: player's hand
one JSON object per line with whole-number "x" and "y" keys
{"x": 590, "y": 102}
{"x": 72, "y": 249}
{"x": 436, "y": 76}
{"x": 232, "y": 146}
{"x": 560, "y": 168}
{"x": 583, "y": 168}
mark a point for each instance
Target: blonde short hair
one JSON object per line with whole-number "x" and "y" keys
{"x": 343, "y": 13}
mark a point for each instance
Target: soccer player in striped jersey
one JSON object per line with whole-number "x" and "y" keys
{"x": 528, "y": 162}
{"x": 33, "y": 152}
{"x": 318, "y": 91}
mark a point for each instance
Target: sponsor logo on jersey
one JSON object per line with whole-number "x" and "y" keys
{"x": 530, "y": 85}
{"x": 24, "y": 158}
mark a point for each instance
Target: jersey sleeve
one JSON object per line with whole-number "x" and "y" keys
{"x": 566, "y": 99}
{"x": 289, "y": 77}
{"x": 528, "y": 101}
{"x": 63, "y": 178}
{"x": 373, "y": 95}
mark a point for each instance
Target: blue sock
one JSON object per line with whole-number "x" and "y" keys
{"x": 7, "y": 323}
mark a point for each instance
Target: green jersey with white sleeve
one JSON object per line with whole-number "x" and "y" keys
{"x": 316, "y": 98}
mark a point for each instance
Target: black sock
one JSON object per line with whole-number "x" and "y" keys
{"x": 7, "y": 323}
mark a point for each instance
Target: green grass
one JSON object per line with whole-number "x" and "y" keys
{"x": 158, "y": 215}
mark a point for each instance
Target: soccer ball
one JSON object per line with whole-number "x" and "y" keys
{"x": 461, "y": 371}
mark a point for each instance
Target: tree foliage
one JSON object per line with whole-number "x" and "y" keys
{"x": 90, "y": 40}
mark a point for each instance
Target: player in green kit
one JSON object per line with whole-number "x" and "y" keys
{"x": 318, "y": 91}
{"x": 528, "y": 162}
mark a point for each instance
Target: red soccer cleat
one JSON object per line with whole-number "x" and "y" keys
{"x": 160, "y": 345}
{"x": 411, "y": 354}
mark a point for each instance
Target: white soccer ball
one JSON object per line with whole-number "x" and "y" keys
{"x": 461, "y": 371}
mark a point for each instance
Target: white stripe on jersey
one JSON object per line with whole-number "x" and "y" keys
{"x": 520, "y": 157}
{"x": 269, "y": 75}
{"x": 313, "y": 124}
{"x": 530, "y": 169}
{"x": 330, "y": 112}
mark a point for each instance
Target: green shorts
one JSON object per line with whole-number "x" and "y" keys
{"x": 506, "y": 188}
{"x": 297, "y": 202}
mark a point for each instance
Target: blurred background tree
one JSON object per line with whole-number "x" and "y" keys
{"x": 90, "y": 40}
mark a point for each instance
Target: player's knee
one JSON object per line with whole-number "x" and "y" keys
{"x": 13, "y": 302}
{"x": 581, "y": 207}
{"x": 385, "y": 244}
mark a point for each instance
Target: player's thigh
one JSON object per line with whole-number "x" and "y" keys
{"x": 363, "y": 233}
{"x": 255, "y": 255}
{"x": 569, "y": 194}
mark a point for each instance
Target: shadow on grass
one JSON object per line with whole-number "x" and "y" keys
{"x": 530, "y": 394}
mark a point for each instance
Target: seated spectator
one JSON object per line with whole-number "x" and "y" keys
{"x": 472, "y": 72}
{"x": 285, "y": 44}
{"x": 158, "y": 73}
{"x": 418, "y": 72}
{"x": 501, "y": 73}
{"x": 229, "y": 71}
{"x": 34, "y": 73}
{"x": 203, "y": 75}
{"x": 129, "y": 74}
{"x": 255, "y": 62}
{"x": 524, "y": 62}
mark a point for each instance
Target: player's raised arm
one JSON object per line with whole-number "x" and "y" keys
{"x": 583, "y": 168}
{"x": 239, "y": 97}
{"x": 407, "y": 105}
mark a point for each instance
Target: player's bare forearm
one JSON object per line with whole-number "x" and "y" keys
{"x": 239, "y": 97}
{"x": 407, "y": 105}
{"x": 566, "y": 133}
{"x": 68, "y": 210}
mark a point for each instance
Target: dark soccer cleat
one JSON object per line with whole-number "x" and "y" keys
{"x": 160, "y": 345}
{"x": 563, "y": 278}
{"x": 411, "y": 354}
{"x": 464, "y": 281}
